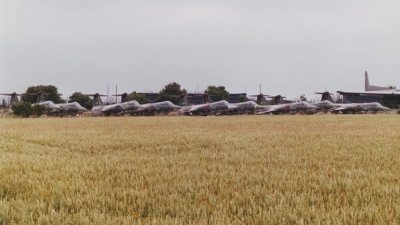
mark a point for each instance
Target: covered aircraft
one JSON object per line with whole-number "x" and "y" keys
{"x": 51, "y": 108}
{"x": 125, "y": 107}
{"x": 157, "y": 108}
{"x": 98, "y": 104}
{"x": 290, "y": 108}
{"x": 372, "y": 107}
{"x": 214, "y": 108}
{"x": 72, "y": 108}
{"x": 327, "y": 103}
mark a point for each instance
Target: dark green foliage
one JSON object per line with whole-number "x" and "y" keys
{"x": 217, "y": 93}
{"x": 242, "y": 98}
{"x": 38, "y": 110}
{"x": 166, "y": 94}
{"x": 391, "y": 102}
{"x": 23, "y": 109}
{"x": 272, "y": 101}
{"x": 53, "y": 95}
{"x": 141, "y": 98}
{"x": 83, "y": 100}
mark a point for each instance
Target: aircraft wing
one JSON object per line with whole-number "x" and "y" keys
{"x": 340, "y": 108}
{"x": 272, "y": 109}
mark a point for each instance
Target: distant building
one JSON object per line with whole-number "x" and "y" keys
{"x": 234, "y": 97}
{"x": 194, "y": 98}
{"x": 371, "y": 94}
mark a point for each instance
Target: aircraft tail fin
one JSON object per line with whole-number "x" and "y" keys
{"x": 14, "y": 97}
{"x": 124, "y": 97}
{"x": 96, "y": 99}
{"x": 369, "y": 87}
{"x": 366, "y": 81}
{"x": 261, "y": 100}
{"x": 40, "y": 97}
{"x": 183, "y": 101}
{"x": 207, "y": 98}
{"x": 278, "y": 99}
{"x": 326, "y": 96}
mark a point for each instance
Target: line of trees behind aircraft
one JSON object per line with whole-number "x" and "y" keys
{"x": 217, "y": 93}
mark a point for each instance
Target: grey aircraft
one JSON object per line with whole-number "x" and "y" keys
{"x": 98, "y": 104}
{"x": 249, "y": 107}
{"x": 51, "y": 108}
{"x": 150, "y": 109}
{"x": 71, "y": 109}
{"x": 327, "y": 103}
{"x": 186, "y": 106}
{"x": 214, "y": 108}
{"x": 290, "y": 108}
{"x": 372, "y": 107}
{"x": 125, "y": 107}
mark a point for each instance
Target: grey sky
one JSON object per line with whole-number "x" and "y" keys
{"x": 289, "y": 47}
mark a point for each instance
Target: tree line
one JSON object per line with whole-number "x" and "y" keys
{"x": 27, "y": 106}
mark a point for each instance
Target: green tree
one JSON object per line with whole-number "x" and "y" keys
{"x": 38, "y": 110}
{"x": 23, "y": 109}
{"x": 141, "y": 98}
{"x": 242, "y": 98}
{"x": 166, "y": 94}
{"x": 83, "y": 100}
{"x": 52, "y": 95}
{"x": 217, "y": 93}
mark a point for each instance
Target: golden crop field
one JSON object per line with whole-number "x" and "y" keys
{"x": 320, "y": 169}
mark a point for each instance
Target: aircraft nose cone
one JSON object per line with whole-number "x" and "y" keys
{"x": 311, "y": 107}
{"x": 82, "y": 109}
{"x": 55, "y": 107}
{"x": 230, "y": 107}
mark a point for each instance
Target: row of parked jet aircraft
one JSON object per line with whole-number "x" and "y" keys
{"x": 260, "y": 106}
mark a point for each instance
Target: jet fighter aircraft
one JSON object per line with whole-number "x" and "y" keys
{"x": 51, "y": 108}
{"x": 327, "y": 103}
{"x": 155, "y": 108}
{"x": 72, "y": 108}
{"x": 215, "y": 108}
{"x": 289, "y": 108}
{"x": 125, "y": 107}
{"x": 248, "y": 107}
{"x": 98, "y": 104}
{"x": 372, "y": 107}
{"x": 130, "y": 107}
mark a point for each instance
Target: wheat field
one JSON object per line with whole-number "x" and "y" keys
{"x": 321, "y": 169}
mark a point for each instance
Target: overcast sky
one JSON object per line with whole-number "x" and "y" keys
{"x": 289, "y": 47}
